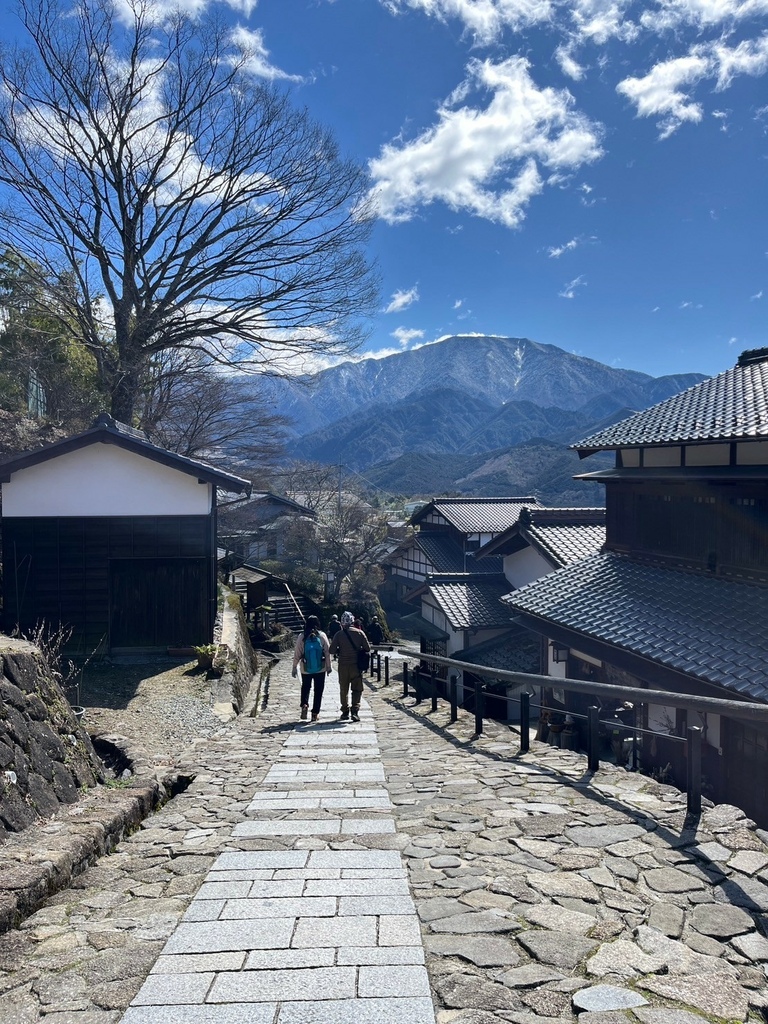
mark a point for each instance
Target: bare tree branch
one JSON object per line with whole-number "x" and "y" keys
{"x": 194, "y": 207}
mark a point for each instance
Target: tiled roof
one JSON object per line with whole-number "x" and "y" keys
{"x": 730, "y": 407}
{"x": 469, "y": 601}
{"x": 445, "y": 554}
{"x": 566, "y": 544}
{"x": 477, "y": 515}
{"x": 106, "y": 430}
{"x": 710, "y": 628}
{"x": 519, "y": 650}
{"x": 562, "y": 535}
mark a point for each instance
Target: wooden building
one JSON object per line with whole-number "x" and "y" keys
{"x": 112, "y": 537}
{"x": 678, "y": 598}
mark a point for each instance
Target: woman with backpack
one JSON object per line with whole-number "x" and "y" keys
{"x": 312, "y": 652}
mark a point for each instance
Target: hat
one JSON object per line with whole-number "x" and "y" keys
{"x": 347, "y": 619}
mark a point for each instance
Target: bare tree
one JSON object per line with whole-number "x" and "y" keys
{"x": 195, "y": 207}
{"x": 189, "y": 406}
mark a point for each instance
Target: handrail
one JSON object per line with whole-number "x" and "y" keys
{"x": 747, "y": 710}
{"x": 295, "y": 603}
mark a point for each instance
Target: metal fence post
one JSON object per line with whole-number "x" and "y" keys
{"x": 405, "y": 678}
{"x": 378, "y": 666}
{"x": 525, "y": 722}
{"x": 694, "y": 769}
{"x": 386, "y": 671}
{"x": 417, "y": 683}
{"x": 478, "y": 708}
{"x": 593, "y": 719}
{"x": 433, "y": 688}
{"x": 453, "y": 687}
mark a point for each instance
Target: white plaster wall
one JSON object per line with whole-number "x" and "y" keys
{"x": 523, "y": 567}
{"x": 104, "y": 480}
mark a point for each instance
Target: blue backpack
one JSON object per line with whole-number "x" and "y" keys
{"x": 313, "y": 654}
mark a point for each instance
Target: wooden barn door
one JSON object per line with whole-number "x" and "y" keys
{"x": 158, "y": 603}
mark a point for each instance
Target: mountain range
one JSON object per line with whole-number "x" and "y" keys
{"x": 467, "y": 414}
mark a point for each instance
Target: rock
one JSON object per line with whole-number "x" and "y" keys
{"x": 549, "y": 948}
{"x": 481, "y": 921}
{"x": 484, "y": 952}
{"x": 604, "y": 835}
{"x": 439, "y": 907}
{"x": 622, "y": 959}
{"x": 599, "y": 998}
{"x": 671, "y": 880}
{"x": 460, "y": 991}
{"x": 563, "y": 884}
{"x": 720, "y": 920}
{"x": 550, "y": 915}
{"x": 546, "y": 1003}
{"x": 754, "y": 947}
{"x": 713, "y": 994}
{"x": 662, "y": 1015}
{"x": 528, "y": 976}
{"x": 667, "y": 918}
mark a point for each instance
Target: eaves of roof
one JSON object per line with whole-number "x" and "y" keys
{"x": 733, "y": 406}
{"x": 476, "y": 515}
{"x": 471, "y": 602}
{"x": 106, "y": 430}
{"x": 708, "y": 628}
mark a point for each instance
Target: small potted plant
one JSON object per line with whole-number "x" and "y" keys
{"x": 205, "y": 655}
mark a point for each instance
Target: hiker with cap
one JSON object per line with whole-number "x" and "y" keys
{"x": 312, "y": 653}
{"x": 350, "y": 643}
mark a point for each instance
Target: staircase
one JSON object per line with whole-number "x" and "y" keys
{"x": 284, "y": 610}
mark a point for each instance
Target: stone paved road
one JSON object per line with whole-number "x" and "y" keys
{"x": 274, "y": 890}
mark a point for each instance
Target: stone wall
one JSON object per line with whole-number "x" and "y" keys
{"x": 237, "y": 662}
{"x": 46, "y": 758}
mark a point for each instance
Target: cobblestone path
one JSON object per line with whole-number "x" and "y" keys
{"x": 401, "y": 869}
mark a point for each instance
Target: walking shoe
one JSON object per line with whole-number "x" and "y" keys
{"x": 344, "y": 716}
{"x": 315, "y": 716}
{"x": 304, "y": 710}
{"x": 355, "y": 716}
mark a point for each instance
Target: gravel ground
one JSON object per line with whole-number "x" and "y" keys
{"x": 162, "y": 706}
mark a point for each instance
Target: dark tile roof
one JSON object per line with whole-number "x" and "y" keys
{"x": 710, "y": 628}
{"x": 259, "y": 510}
{"x": 416, "y": 623}
{"x": 565, "y": 544}
{"x": 518, "y": 650}
{"x": 106, "y": 430}
{"x": 562, "y": 535}
{"x": 476, "y": 515}
{"x": 445, "y": 554}
{"x": 470, "y": 601}
{"x": 730, "y": 407}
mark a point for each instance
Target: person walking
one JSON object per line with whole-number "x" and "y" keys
{"x": 348, "y": 643}
{"x": 333, "y": 627}
{"x": 312, "y": 652}
{"x": 375, "y": 633}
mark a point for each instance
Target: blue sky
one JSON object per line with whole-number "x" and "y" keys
{"x": 585, "y": 173}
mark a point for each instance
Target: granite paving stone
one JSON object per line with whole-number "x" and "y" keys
{"x": 459, "y": 882}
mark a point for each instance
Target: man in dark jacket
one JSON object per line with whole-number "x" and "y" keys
{"x": 346, "y": 644}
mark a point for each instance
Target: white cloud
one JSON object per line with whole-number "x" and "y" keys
{"x": 750, "y": 57}
{"x": 665, "y": 91}
{"x": 251, "y": 43}
{"x": 405, "y": 335}
{"x": 672, "y": 14}
{"x": 597, "y": 21}
{"x": 486, "y": 160}
{"x": 661, "y": 93}
{"x": 569, "y": 290}
{"x": 556, "y": 251}
{"x": 485, "y": 20}
{"x": 458, "y": 303}
{"x": 568, "y": 63}
{"x": 757, "y": 295}
{"x": 402, "y": 300}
